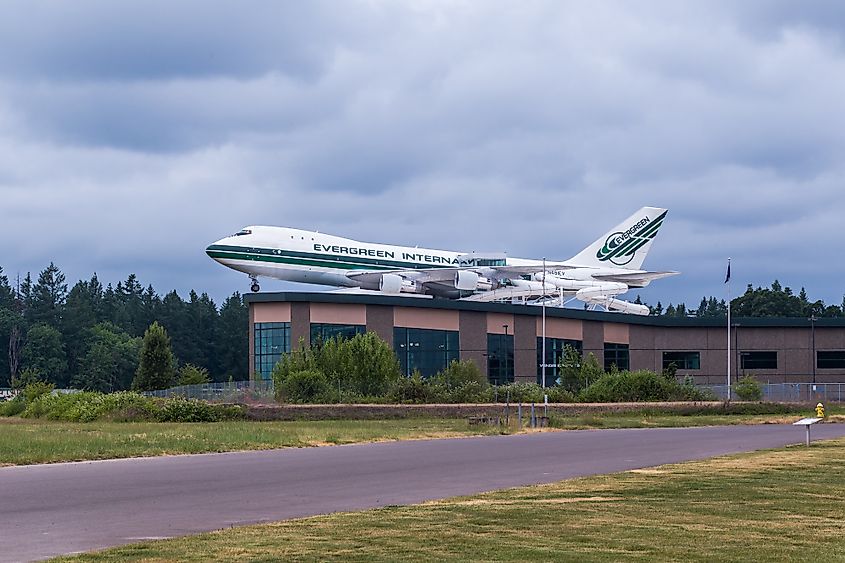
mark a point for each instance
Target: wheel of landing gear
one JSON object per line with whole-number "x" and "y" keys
{"x": 255, "y": 288}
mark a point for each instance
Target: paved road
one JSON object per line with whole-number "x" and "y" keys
{"x": 53, "y": 509}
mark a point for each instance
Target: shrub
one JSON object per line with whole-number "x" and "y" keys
{"x": 414, "y": 389}
{"x": 178, "y": 409}
{"x": 88, "y": 406}
{"x": 304, "y": 386}
{"x": 35, "y": 390}
{"x": 362, "y": 366}
{"x": 558, "y": 394}
{"x": 522, "y": 392}
{"x": 459, "y": 373}
{"x": 12, "y": 408}
{"x": 748, "y": 389}
{"x": 640, "y": 385}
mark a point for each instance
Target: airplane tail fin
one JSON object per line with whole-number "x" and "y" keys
{"x": 626, "y": 245}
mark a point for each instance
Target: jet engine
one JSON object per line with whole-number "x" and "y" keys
{"x": 390, "y": 283}
{"x": 470, "y": 281}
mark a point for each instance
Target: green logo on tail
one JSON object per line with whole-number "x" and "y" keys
{"x": 620, "y": 248}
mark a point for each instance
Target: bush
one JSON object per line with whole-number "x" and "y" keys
{"x": 88, "y": 406}
{"x": 642, "y": 385}
{"x": 558, "y": 394}
{"x": 12, "y": 408}
{"x": 748, "y": 389}
{"x": 35, "y": 390}
{"x": 459, "y": 373}
{"x": 306, "y": 386}
{"x": 362, "y": 366}
{"x": 124, "y": 406}
{"x": 179, "y": 409}
{"x": 522, "y": 392}
{"x": 415, "y": 389}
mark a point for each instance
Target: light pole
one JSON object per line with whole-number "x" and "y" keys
{"x": 506, "y": 351}
{"x": 544, "y": 323}
{"x": 813, "y": 320}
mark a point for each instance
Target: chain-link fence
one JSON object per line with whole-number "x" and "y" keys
{"x": 225, "y": 392}
{"x": 260, "y": 392}
{"x": 790, "y": 392}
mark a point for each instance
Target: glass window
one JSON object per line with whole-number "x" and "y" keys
{"x": 682, "y": 360}
{"x": 426, "y": 350}
{"x": 615, "y": 355}
{"x": 758, "y": 360}
{"x": 554, "y": 357}
{"x": 271, "y": 341}
{"x": 321, "y": 332}
{"x": 830, "y": 359}
{"x": 500, "y": 358}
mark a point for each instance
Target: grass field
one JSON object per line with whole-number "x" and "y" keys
{"x": 778, "y": 505}
{"x": 25, "y": 441}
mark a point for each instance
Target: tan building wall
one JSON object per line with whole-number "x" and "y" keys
{"x": 646, "y": 340}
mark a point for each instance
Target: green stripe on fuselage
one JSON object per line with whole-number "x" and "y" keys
{"x": 332, "y": 261}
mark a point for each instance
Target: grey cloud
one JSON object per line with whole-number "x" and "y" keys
{"x": 133, "y": 135}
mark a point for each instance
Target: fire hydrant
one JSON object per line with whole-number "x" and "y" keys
{"x": 820, "y": 410}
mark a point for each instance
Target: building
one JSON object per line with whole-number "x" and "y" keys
{"x": 505, "y": 340}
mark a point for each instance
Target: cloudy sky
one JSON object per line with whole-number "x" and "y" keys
{"x": 133, "y": 134}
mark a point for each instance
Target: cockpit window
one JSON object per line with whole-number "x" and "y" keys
{"x": 242, "y": 232}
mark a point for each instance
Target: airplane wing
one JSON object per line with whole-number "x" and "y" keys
{"x": 419, "y": 276}
{"x": 447, "y": 274}
{"x": 634, "y": 279}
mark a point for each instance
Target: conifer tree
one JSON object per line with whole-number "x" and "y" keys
{"x": 156, "y": 362}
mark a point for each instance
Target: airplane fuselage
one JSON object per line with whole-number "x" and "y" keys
{"x": 606, "y": 268}
{"x": 310, "y": 257}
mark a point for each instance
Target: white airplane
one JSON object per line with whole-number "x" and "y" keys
{"x": 607, "y": 268}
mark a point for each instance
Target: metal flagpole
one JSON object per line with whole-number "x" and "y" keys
{"x": 543, "y": 364}
{"x": 728, "y": 281}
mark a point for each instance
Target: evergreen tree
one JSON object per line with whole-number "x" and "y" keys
{"x": 48, "y": 297}
{"x": 156, "y": 363}
{"x": 190, "y": 374}
{"x": 232, "y": 339}
{"x": 171, "y": 316}
{"x": 45, "y": 353}
{"x": 129, "y": 315}
{"x": 110, "y": 360}
{"x": 81, "y": 312}
{"x": 7, "y": 296}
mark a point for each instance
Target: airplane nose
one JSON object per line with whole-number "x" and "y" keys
{"x": 213, "y": 249}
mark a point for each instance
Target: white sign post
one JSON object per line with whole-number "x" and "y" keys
{"x": 806, "y": 423}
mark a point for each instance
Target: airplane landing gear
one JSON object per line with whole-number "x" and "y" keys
{"x": 255, "y": 288}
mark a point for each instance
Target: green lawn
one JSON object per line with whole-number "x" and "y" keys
{"x": 25, "y": 441}
{"x": 778, "y": 505}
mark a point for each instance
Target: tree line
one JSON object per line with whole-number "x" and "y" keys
{"x": 89, "y": 336}
{"x": 774, "y": 301}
